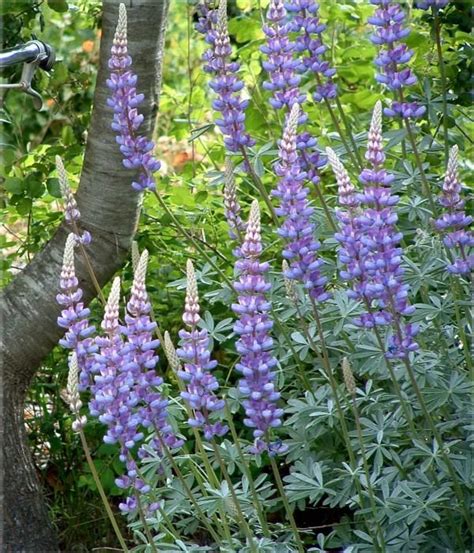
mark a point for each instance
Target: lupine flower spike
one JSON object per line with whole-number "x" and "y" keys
{"x": 201, "y": 384}
{"x": 137, "y": 150}
{"x": 435, "y": 4}
{"x": 71, "y": 212}
{"x": 170, "y": 352}
{"x": 225, "y": 83}
{"x": 75, "y": 317}
{"x": 454, "y": 224}
{"x": 73, "y": 399}
{"x": 297, "y": 229}
{"x": 231, "y": 202}
{"x": 370, "y": 251}
{"x": 255, "y": 343}
{"x": 283, "y": 80}
{"x": 310, "y": 46}
{"x": 394, "y": 55}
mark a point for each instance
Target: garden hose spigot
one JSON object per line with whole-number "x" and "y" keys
{"x": 33, "y": 54}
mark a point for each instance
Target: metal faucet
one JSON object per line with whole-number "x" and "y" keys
{"x": 33, "y": 54}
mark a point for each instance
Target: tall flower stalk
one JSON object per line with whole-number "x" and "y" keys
{"x": 137, "y": 150}
{"x": 297, "y": 228}
{"x": 255, "y": 343}
{"x": 394, "y": 55}
{"x": 74, "y": 317}
{"x": 201, "y": 384}
{"x": 454, "y": 223}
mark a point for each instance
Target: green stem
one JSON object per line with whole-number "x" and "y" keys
{"x": 444, "y": 83}
{"x": 259, "y": 184}
{"x": 188, "y": 492}
{"x": 367, "y": 473}
{"x": 186, "y": 234}
{"x": 100, "y": 488}
{"x": 349, "y": 132}
{"x": 289, "y": 514}
{"x": 145, "y": 524}
{"x": 240, "y": 514}
{"x": 256, "y": 502}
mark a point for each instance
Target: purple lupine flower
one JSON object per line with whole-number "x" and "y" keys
{"x": 280, "y": 64}
{"x": 140, "y": 349}
{"x": 137, "y": 150}
{"x": 71, "y": 212}
{"x": 389, "y": 21}
{"x": 309, "y": 44}
{"x": 201, "y": 384}
{"x": 370, "y": 246}
{"x": 282, "y": 68}
{"x": 297, "y": 229}
{"x": 427, "y": 4}
{"x": 454, "y": 223}
{"x": 255, "y": 343}
{"x": 226, "y": 83}
{"x": 231, "y": 202}
{"x": 75, "y": 317}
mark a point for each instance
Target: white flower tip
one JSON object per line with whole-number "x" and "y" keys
{"x": 135, "y": 256}
{"x": 122, "y": 20}
{"x": 348, "y": 377}
{"x": 284, "y": 265}
{"x": 68, "y": 256}
{"x": 191, "y": 282}
{"x": 254, "y": 220}
{"x": 229, "y": 173}
{"x": 140, "y": 270}
{"x": 222, "y": 14}
{"x": 376, "y": 123}
{"x": 170, "y": 351}
{"x": 72, "y": 377}
{"x": 114, "y": 296}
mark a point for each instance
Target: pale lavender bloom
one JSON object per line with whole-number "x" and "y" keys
{"x": 280, "y": 63}
{"x": 297, "y": 229}
{"x": 71, "y": 213}
{"x": 72, "y": 394}
{"x": 370, "y": 246}
{"x": 255, "y": 343}
{"x": 137, "y": 150}
{"x": 75, "y": 317}
{"x": 391, "y": 62}
{"x": 427, "y": 4}
{"x": 454, "y": 223}
{"x": 201, "y": 384}
{"x": 225, "y": 84}
{"x": 309, "y": 44}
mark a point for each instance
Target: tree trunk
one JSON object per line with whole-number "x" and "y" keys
{"x": 28, "y": 309}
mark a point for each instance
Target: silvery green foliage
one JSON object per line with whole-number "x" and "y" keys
{"x": 383, "y": 466}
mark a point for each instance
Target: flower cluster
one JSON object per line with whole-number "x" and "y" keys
{"x": 255, "y": 343}
{"x": 225, "y": 83}
{"x": 309, "y": 41}
{"x": 435, "y": 4}
{"x": 125, "y": 394}
{"x": 370, "y": 247}
{"x": 137, "y": 150}
{"x": 71, "y": 212}
{"x": 201, "y": 384}
{"x": 74, "y": 316}
{"x": 455, "y": 222}
{"x": 231, "y": 202}
{"x": 283, "y": 72}
{"x": 280, "y": 64}
{"x": 297, "y": 229}
{"x": 389, "y": 21}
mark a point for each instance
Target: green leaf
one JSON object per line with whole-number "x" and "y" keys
{"x": 53, "y": 187}
{"x": 58, "y": 5}
{"x": 14, "y": 185}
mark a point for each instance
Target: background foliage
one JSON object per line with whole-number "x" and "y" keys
{"x": 192, "y": 154}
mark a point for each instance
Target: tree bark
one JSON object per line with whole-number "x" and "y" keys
{"x": 28, "y": 308}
